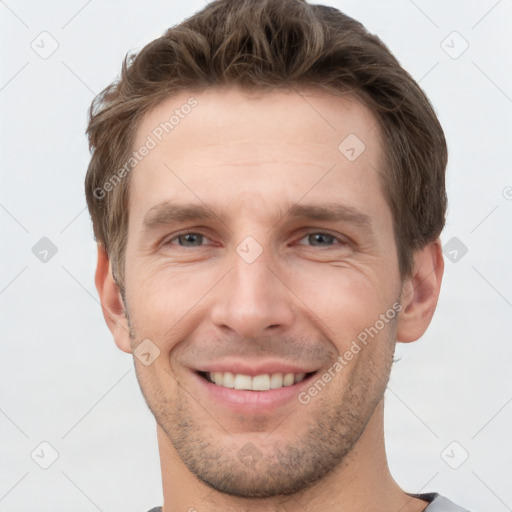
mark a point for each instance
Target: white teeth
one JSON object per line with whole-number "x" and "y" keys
{"x": 228, "y": 381}
{"x": 262, "y": 382}
{"x": 243, "y": 381}
{"x": 288, "y": 379}
{"x": 299, "y": 377}
{"x": 276, "y": 381}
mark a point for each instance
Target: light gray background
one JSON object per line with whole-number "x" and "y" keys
{"x": 62, "y": 378}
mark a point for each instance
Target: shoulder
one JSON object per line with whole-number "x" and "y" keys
{"x": 439, "y": 503}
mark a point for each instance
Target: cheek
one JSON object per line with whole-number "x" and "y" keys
{"x": 163, "y": 300}
{"x": 346, "y": 300}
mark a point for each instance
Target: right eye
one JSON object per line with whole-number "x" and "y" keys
{"x": 187, "y": 239}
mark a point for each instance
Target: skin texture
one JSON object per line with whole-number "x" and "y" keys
{"x": 248, "y": 158}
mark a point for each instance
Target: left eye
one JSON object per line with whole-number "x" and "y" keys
{"x": 320, "y": 239}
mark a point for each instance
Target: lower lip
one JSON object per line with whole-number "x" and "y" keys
{"x": 241, "y": 400}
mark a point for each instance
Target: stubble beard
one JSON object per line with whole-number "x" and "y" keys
{"x": 286, "y": 468}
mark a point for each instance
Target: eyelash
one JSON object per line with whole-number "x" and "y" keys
{"x": 175, "y": 237}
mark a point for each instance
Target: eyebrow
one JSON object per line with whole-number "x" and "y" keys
{"x": 168, "y": 213}
{"x": 330, "y": 212}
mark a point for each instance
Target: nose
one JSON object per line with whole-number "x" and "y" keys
{"x": 253, "y": 299}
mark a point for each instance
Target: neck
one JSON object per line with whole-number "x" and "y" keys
{"x": 361, "y": 482}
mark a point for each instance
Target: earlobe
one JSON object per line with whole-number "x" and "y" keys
{"x": 420, "y": 293}
{"x": 112, "y": 302}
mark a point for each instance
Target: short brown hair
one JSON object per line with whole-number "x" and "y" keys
{"x": 270, "y": 44}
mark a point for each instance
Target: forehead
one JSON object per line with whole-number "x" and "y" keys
{"x": 325, "y": 119}
{"x": 225, "y": 145}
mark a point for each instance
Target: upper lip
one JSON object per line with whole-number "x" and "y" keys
{"x": 254, "y": 368}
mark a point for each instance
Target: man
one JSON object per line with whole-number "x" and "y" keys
{"x": 267, "y": 192}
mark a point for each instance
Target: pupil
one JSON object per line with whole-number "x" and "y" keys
{"x": 321, "y": 237}
{"x": 191, "y": 237}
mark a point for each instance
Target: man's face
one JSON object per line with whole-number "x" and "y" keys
{"x": 265, "y": 284}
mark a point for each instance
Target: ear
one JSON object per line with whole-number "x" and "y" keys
{"x": 420, "y": 292}
{"x": 112, "y": 302}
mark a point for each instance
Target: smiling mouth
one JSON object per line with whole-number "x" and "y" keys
{"x": 262, "y": 382}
